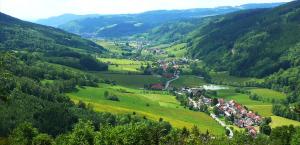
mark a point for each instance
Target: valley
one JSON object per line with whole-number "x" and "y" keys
{"x": 127, "y": 80}
{"x": 225, "y": 75}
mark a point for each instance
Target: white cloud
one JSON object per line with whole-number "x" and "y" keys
{"x": 33, "y": 9}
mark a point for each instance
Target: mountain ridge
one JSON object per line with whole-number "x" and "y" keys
{"x": 113, "y": 26}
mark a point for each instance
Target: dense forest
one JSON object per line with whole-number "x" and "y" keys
{"x": 252, "y": 42}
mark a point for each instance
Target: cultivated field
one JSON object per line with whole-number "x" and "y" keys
{"x": 178, "y": 50}
{"x": 188, "y": 81}
{"x": 123, "y": 65}
{"x": 280, "y": 121}
{"x": 110, "y": 46}
{"x": 152, "y": 104}
{"x": 226, "y": 78}
{"x": 268, "y": 94}
{"x": 132, "y": 81}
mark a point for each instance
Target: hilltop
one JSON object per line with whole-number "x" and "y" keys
{"x": 121, "y": 25}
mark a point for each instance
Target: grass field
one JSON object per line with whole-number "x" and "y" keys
{"x": 110, "y": 46}
{"x": 268, "y": 94}
{"x": 123, "y": 65}
{"x": 188, "y": 81}
{"x": 280, "y": 121}
{"x": 225, "y": 77}
{"x": 132, "y": 81}
{"x": 178, "y": 50}
{"x": 47, "y": 81}
{"x": 160, "y": 105}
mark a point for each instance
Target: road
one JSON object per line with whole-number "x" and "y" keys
{"x": 215, "y": 118}
{"x": 222, "y": 124}
{"x": 168, "y": 82}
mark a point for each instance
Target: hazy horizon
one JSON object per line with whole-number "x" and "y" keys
{"x": 40, "y": 9}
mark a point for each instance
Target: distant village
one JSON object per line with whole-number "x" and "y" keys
{"x": 169, "y": 70}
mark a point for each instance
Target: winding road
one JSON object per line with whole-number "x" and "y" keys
{"x": 222, "y": 124}
{"x": 168, "y": 82}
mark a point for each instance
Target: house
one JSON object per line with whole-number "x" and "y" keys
{"x": 157, "y": 86}
{"x": 251, "y": 130}
{"x": 248, "y": 122}
{"x": 176, "y": 67}
{"x": 221, "y": 100}
{"x": 168, "y": 75}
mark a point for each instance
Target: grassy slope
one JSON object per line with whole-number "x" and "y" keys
{"x": 225, "y": 77}
{"x": 280, "y": 121}
{"x": 178, "y": 50}
{"x": 110, "y": 46}
{"x": 132, "y": 81}
{"x": 123, "y": 65}
{"x": 268, "y": 94}
{"x": 188, "y": 81}
{"x": 160, "y": 105}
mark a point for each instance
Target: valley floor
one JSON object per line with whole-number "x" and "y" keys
{"x": 152, "y": 104}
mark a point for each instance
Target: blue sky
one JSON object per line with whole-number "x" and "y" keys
{"x": 35, "y": 9}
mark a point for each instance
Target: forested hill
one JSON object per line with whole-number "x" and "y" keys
{"x": 38, "y": 64}
{"x": 251, "y": 43}
{"x": 18, "y": 34}
{"x": 108, "y": 26}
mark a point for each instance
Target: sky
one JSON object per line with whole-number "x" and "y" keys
{"x": 36, "y": 9}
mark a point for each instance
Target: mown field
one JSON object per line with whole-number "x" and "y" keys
{"x": 188, "y": 81}
{"x": 132, "y": 81}
{"x": 152, "y": 104}
{"x": 226, "y": 78}
{"x": 178, "y": 50}
{"x": 268, "y": 94}
{"x": 123, "y": 65}
{"x": 110, "y": 46}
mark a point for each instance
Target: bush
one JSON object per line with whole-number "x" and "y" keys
{"x": 112, "y": 98}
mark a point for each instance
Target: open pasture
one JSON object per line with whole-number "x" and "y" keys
{"x": 152, "y": 104}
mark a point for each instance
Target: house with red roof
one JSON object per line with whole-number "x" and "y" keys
{"x": 156, "y": 86}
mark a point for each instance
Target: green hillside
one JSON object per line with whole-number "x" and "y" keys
{"x": 17, "y": 34}
{"x": 37, "y": 65}
{"x": 50, "y": 44}
{"x": 250, "y": 43}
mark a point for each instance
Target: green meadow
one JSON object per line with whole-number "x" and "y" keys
{"x": 130, "y": 80}
{"x": 110, "y": 46}
{"x": 178, "y": 50}
{"x": 280, "y": 121}
{"x": 188, "y": 81}
{"x": 123, "y": 65}
{"x": 268, "y": 94}
{"x": 152, "y": 104}
{"x": 225, "y": 77}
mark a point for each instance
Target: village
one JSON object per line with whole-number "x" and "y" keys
{"x": 236, "y": 113}
{"x": 231, "y": 112}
